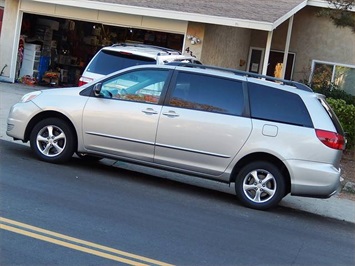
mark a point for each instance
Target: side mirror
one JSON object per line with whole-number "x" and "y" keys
{"x": 97, "y": 89}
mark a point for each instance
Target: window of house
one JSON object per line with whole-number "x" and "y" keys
{"x": 208, "y": 93}
{"x": 341, "y": 75}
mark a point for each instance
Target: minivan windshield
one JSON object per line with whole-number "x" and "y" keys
{"x": 106, "y": 62}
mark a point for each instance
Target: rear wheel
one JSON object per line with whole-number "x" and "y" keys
{"x": 260, "y": 185}
{"x": 52, "y": 140}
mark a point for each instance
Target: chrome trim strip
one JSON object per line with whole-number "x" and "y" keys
{"x": 159, "y": 145}
{"x": 119, "y": 138}
{"x": 193, "y": 151}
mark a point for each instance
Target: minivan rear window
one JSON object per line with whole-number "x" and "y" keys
{"x": 275, "y": 105}
{"x": 332, "y": 116}
{"x": 106, "y": 62}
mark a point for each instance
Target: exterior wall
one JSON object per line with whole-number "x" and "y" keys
{"x": 313, "y": 38}
{"x": 226, "y": 46}
{"x": 258, "y": 38}
{"x": 317, "y": 38}
{"x": 9, "y": 40}
{"x": 196, "y": 30}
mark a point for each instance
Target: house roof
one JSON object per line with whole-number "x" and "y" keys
{"x": 254, "y": 14}
{"x": 258, "y": 14}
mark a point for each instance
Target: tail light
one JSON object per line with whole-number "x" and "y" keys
{"x": 84, "y": 80}
{"x": 331, "y": 139}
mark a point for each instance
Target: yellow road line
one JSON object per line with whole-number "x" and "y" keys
{"x": 68, "y": 245}
{"x": 78, "y": 241}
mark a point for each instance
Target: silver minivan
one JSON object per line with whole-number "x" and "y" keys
{"x": 267, "y": 138}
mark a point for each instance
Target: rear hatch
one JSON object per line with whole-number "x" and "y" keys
{"x": 106, "y": 62}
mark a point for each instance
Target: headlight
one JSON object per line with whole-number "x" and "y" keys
{"x": 30, "y": 96}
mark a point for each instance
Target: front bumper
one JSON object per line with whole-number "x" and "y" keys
{"x": 19, "y": 116}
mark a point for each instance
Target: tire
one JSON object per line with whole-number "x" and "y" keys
{"x": 52, "y": 140}
{"x": 260, "y": 185}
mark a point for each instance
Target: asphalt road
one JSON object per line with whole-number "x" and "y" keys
{"x": 97, "y": 214}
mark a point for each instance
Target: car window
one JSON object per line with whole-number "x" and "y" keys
{"x": 140, "y": 86}
{"x": 207, "y": 93}
{"x": 277, "y": 105}
{"x": 332, "y": 116}
{"x": 106, "y": 61}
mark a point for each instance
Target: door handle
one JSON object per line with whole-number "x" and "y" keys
{"x": 171, "y": 114}
{"x": 150, "y": 111}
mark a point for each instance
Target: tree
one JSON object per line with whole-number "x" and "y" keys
{"x": 340, "y": 13}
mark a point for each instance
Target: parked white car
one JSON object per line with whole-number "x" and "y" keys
{"x": 119, "y": 56}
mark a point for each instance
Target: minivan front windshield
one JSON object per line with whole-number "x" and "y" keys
{"x": 106, "y": 62}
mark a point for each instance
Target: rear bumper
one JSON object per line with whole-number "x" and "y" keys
{"x": 313, "y": 179}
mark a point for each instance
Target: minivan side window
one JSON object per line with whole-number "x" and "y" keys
{"x": 139, "y": 86}
{"x": 208, "y": 93}
{"x": 276, "y": 105}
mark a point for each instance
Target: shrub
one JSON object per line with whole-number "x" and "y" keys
{"x": 330, "y": 90}
{"x": 346, "y": 115}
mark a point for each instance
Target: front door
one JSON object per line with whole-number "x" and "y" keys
{"x": 275, "y": 65}
{"x": 256, "y": 57}
{"x": 123, "y": 119}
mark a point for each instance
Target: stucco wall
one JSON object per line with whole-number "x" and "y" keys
{"x": 313, "y": 38}
{"x": 317, "y": 38}
{"x": 226, "y": 46}
{"x": 9, "y": 40}
{"x": 195, "y": 30}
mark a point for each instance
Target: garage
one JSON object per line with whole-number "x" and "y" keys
{"x": 55, "y": 51}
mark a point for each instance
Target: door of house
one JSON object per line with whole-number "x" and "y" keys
{"x": 256, "y": 57}
{"x": 275, "y": 64}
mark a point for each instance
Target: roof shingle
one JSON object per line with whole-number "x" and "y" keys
{"x": 255, "y": 10}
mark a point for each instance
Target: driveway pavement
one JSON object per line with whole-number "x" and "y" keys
{"x": 334, "y": 207}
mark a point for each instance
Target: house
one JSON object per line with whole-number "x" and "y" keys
{"x": 259, "y": 36}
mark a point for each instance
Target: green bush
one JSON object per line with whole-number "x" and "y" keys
{"x": 343, "y": 105}
{"x": 330, "y": 90}
{"x": 346, "y": 114}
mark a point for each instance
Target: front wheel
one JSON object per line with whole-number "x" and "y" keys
{"x": 52, "y": 140}
{"x": 260, "y": 185}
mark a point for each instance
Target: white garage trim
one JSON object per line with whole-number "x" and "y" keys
{"x": 77, "y": 10}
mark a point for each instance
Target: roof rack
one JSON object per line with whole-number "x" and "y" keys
{"x": 163, "y": 49}
{"x": 292, "y": 83}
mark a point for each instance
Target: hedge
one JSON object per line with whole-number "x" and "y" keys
{"x": 343, "y": 105}
{"x": 346, "y": 114}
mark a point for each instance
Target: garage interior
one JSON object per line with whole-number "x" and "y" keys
{"x": 55, "y": 51}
